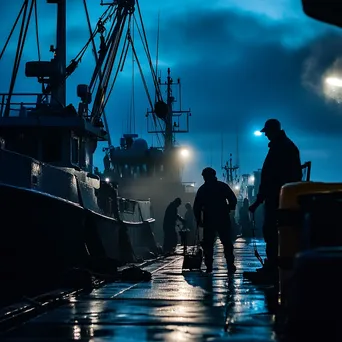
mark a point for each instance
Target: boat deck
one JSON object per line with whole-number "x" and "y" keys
{"x": 175, "y": 306}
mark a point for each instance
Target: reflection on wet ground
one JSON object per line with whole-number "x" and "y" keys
{"x": 175, "y": 306}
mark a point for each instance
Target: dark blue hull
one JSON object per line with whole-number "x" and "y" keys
{"x": 41, "y": 237}
{"x": 52, "y": 221}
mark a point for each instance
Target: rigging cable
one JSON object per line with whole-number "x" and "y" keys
{"x": 114, "y": 40}
{"x": 120, "y": 64}
{"x": 100, "y": 72}
{"x": 159, "y": 95}
{"x": 157, "y": 52}
{"x": 13, "y": 28}
{"x": 37, "y": 28}
{"x": 148, "y": 55}
{"x": 132, "y": 108}
{"x": 144, "y": 81}
{"x": 20, "y": 47}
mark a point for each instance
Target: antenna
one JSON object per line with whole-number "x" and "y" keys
{"x": 221, "y": 149}
{"x": 237, "y": 145}
{"x": 157, "y": 53}
{"x": 237, "y": 151}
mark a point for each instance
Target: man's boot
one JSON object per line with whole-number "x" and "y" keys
{"x": 231, "y": 268}
{"x": 265, "y": 267}
{"x": 230, "y": 265}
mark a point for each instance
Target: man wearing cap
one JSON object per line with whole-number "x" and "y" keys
{"x": 211, "y": 200}
{"x": 282, "y": 165}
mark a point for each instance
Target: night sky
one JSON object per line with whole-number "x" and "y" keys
{"x": 240, "y": 62}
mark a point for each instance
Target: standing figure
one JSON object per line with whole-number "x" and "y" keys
{"x": 190, "y": 225}
{"x": 211, "y": 201}
{"x": 244, "y": 219}
{"x": 282, "y": 165}
{"x": 169, "y": 225}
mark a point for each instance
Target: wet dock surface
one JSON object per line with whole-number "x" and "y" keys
{"x": 174, "y": 306}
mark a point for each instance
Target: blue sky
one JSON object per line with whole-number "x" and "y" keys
{"x": 240, "y": 62}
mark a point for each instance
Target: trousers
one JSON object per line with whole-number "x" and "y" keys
{"x": 210, "y": 232}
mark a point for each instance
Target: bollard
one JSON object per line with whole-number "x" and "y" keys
{"x": 290, "y": 219}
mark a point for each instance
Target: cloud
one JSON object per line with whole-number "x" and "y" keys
{"x": 237, "y": 69}
{"x": 240, "y": 62}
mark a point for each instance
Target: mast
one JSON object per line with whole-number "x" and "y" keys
{"x": 168, "y": 121}
{"x": 230, "y": 172}
{"x": 176, "y": 121}
{"x": 58, "y": 91}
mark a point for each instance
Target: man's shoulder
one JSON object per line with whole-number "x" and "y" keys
{"x": 222, "y": 184}
{"x": 284, "y": 143}
{"x": 200, "y": 189}
{"x": 290, "y": 144}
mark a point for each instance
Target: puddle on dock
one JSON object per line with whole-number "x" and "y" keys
{"x": 176, "y": 306}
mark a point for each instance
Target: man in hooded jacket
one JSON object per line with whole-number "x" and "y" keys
{"x": 171, "y": 217}
{"x": 211, "y": 201}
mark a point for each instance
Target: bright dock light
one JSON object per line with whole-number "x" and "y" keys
{"x": 334, "y": 81}
{"x": 184, "y": 152}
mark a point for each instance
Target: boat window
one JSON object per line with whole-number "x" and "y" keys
{"x": 75, "y": 150}
{"x": 52, "y": 149}
{"x": 26, "y": 144}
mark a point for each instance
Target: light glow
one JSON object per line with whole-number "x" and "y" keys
{"x": 184, "y": 152}
{"x": 334, "y": 81}
{"x": 257, "y": 133}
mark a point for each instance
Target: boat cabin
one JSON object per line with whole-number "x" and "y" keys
{"x": 133, "y": 159}
{"x": 62, "y": 137}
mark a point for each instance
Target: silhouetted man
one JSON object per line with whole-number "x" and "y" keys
{"x": 282, "y": 165}
{"x": 211, "y": 200}
{"x": 169, "y": 225}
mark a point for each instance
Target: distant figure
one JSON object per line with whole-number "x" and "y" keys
{"x": 97, "y": 171}
{"x": 282, "y": 165}
{"x": 211, "y": 200}
{"x": 106, "y": 162}
{"x": 244, "y": 219}
{"x": 169, "y": 225}
{"x": 190, "y": 224}
{"x": 114, "y": 200}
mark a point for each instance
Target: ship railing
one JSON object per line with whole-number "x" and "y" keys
{"x": 132, "y": 208}
{"x": 18, "y": 104}
{"x": 189, "y": 187}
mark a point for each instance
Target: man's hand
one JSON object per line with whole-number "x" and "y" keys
{"x": 254, "y": 207}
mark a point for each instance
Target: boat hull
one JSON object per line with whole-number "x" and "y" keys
{"x": 51, "y": 221}
{"x": 41, "y": 237}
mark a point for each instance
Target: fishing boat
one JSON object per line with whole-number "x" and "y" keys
{"x": 154, "y": 172}
{"x": 56, "y": 212}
